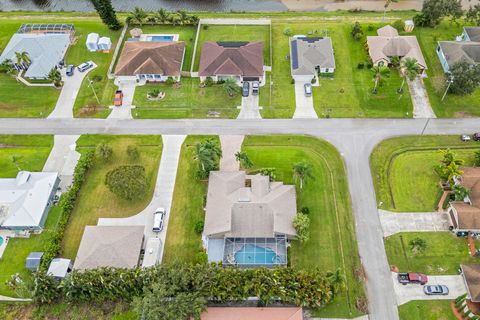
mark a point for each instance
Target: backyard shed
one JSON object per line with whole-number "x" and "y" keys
{"x": 92, "y": 42}
{"x": 59, "y": 268}
{"x": 136, "y": 32}
{"x": 33, "y": 261}
{"x": 104, "y": 43}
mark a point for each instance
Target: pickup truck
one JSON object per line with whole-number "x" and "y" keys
{"x": 412, "y": 277}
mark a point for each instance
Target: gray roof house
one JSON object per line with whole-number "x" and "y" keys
{"x": 33, "y": 261}
{"x": 248, "y": 219}
{"x": 466, "y": 48}
{"x": 109, "y": 246}
{"x": 25, "y": 200}
{"x": 310, "y": 56}
{"x": 44, "y": 50}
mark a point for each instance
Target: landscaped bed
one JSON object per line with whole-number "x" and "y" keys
{"x": 186, "y": 101}
{"x": 95, "y": 199}
{"x": 402, "y": 170}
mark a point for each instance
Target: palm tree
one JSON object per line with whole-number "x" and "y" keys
{"x": 385, "y": 7}
{"x": 138, "y": 15}
{"x": 55, "y": 77}
{"x": 451, "y": 172}
{"x": 174, "y": 19}
{"x": 162, "y": 15}
{"x": 18, "y": 57}
{"x": 244, "y": 160}
{"x": 194, "y": 19}
{"x": 182, "y": 16}
{"x": 230, "y": 86}
{"x": 302, "y": 171}
{"x": 449, "y": 156}
{"x": 15, "y": 158}
{"x": 337, "y": 280}
{"x": 208, "y": 153}
{"x": 380, "y": 72}
{"x": 409, "y": 68}
{"x": 25, "y": 58}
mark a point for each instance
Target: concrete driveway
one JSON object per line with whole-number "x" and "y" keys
{"x": 250, "y": 107}
{"x": 304, "y": 105}
{"x": 420, "y": 101}
{"x": 125, "y": 111}
{"x": 230, "y": 146}
{"x": 66, "y": 100}
{"x": 409, "y": 292}
{"x": 395, "y": 222}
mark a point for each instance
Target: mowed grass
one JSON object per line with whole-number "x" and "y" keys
{"x": 453, "y": 105}
{"x": 426, "y": 310}
{"x": 332, "y": 243}
{"x": 95, "y": 199}
{"x": 403, "y": 174}
{"x": 183, "y": 243}
{"x": 234, "y": 33}
{"x": 188, "y": 101}
{"x": 443, "y": 255}
{"x": 32, "y": 152}
{"x": 347, "y": 93}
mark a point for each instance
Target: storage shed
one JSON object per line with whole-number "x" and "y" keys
{"x": 92, "y": 42}
{"x": 33, "y": 261}
{"x": 104, "y": 44}
{"x": 59, "y": 268}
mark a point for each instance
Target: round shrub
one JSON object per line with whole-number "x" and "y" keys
{"x": 127, "y": 182}
{"x": 199, "y": 227}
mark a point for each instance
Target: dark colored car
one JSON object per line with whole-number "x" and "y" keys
{"x": 118, "y": 100}
{"x": 412, "y": 277}
{"x": 70, "y": 69}
{"x": 476, "y": 136}
{"x": 255, "y": 88}
{"x": 435, "y": 290}
{"x": 246, "y": 89}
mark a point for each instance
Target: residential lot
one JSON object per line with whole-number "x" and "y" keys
{"x": 95, "y": 200}
{"x": 24, "y": 153}
{"x": 426, "y": 310}
{"x": 403, "y": 174}
{"x": 187, "y": 101}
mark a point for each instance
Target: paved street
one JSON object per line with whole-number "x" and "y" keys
{"x": 395, "y": 222}
{"x": 354, "y": 138}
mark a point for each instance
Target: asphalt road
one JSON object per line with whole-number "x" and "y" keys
{"x": 354, "y": 138}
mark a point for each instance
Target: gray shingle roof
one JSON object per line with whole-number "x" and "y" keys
{"x": 456, "y": 51}
{"x": 307, "y": 53}
{"x": 473, "y": 33}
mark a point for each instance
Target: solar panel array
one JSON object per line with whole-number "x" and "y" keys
{"x": 294, "y": 56}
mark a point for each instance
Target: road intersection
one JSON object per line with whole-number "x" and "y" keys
{"x": 354, "y": 138}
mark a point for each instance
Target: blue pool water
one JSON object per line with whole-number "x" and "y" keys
{"x": 1, "y": 241}
{"x": 161, "y": 38}
{"x": 252, "y": 254}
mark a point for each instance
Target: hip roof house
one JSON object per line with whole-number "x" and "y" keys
{"x": 471, "y": 277}
{"x": 25, "y": 200}
{"x": 242, "y": 61}
{"x": 466, "y": 49}
{"x": 150, "y": 60}
{"x": 248, "y": 213}
{"x": 310, "y": 56}
{"x": 45, "y": 51}
{"x": 390, "y": 44}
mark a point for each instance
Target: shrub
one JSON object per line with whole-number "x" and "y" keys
{"x": 370, "y": 27}
{"x": 132, "y": 152}
{"x": 398, "y": 24}
{"x": 357, "y": 31}
{"x": 222, "y": 81}
{"x": 301, "y": 223}
{"x": 154, "y": 93}
{"x": 271, "y": 172}
{"x": 209, "y": 82}
{"x": 205, "y": 27}
{"x": 287, "y": 32}
{"x": 104, "y": 151}
{"x": 201, "y": 257}
{"x": 314, "y": 80}
{"x": 127, "y": 182}
{"x": 199, "y": 227}
{"x": 417, "y": 245}
{"x": 169, "y": 81}
{"x": 97, "y": 78}
{"x": 360, "y": 65}
{"x": 292, "y": 81}
{"x": 305, "y": 210}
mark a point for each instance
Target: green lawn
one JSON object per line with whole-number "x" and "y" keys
{"x": 443, "y": 255}
{"x": 332, "y": 230}
{"x": 453, "y": 105}
{"x": 32, "y": 152}
{"x": 95, "y": 200}
{"x": 189, "y": 101}
{"x": 426, "y": 310}
{"x": 234, "y": 33}
{"x": 402, "y": 170}
{"x": 348, "y": 92}
{"x": 182, "y": 242}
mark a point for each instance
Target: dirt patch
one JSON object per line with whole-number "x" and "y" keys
{"x": 462, "y": 114}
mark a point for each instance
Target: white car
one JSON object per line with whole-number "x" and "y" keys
{"x": 465, "y": 137}
{"x": 158, "y": 218}
{"x": 85, "y": 66}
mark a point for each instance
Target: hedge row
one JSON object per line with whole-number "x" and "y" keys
{"x": 67, "y": 203}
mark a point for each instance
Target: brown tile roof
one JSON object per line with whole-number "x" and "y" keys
{"x": 471, "y": 274}
{"x": 252, "y": 314}
{"x": 231, "y": 58}
{"x": 469, "y": 215}
{"x": 146, "y": 57}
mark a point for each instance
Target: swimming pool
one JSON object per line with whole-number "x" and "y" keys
{"x": 1, "y": 241}
{"x": 252, "y": 254}
{"x": 160, "y": 38}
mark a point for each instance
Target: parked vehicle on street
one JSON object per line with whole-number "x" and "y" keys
{"x": 246, "y": 89}
{"x": 308, "y": 89}
{"x": 465, "y": 137}
{"x": 435, "y": 290}
{"x": 118, "y": 100}
{"x": 158, "y": 219}
{"x": 412, "y": 277}
{"x": 255, "y": 88}
{"x": 85, "y": 66}
{"x": 476, "y": 136}
{"x": 70, "y": 69}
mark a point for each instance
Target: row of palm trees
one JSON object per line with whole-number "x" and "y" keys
{"x": 408, "y": 68}
{"x": 22, "y": 61}
{"x": 162, "y": 16}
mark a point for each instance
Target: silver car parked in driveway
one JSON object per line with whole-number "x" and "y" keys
{"x": 435, "y": 290}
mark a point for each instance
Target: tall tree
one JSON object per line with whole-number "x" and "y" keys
{"x": 473, "y": 14}
{"x": 138, "y": 15}
{"x": 302, "y": 171}
{"x": 433, "y": 11}
{"x": 55, "y": 77}
{"x": 409, "y": 69}
{"x": 385, "y": 7}
{"x": 183, "y": 17}
{"x": 162, "y": 15}
{"x": 465, "y": 76}
{"x": 107, "y": 13}
{"x": 380, "y": 72}
{"x": 208, "y": 153}
{"x": 230, "y": 87}
{"x": 337, "y": 280}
